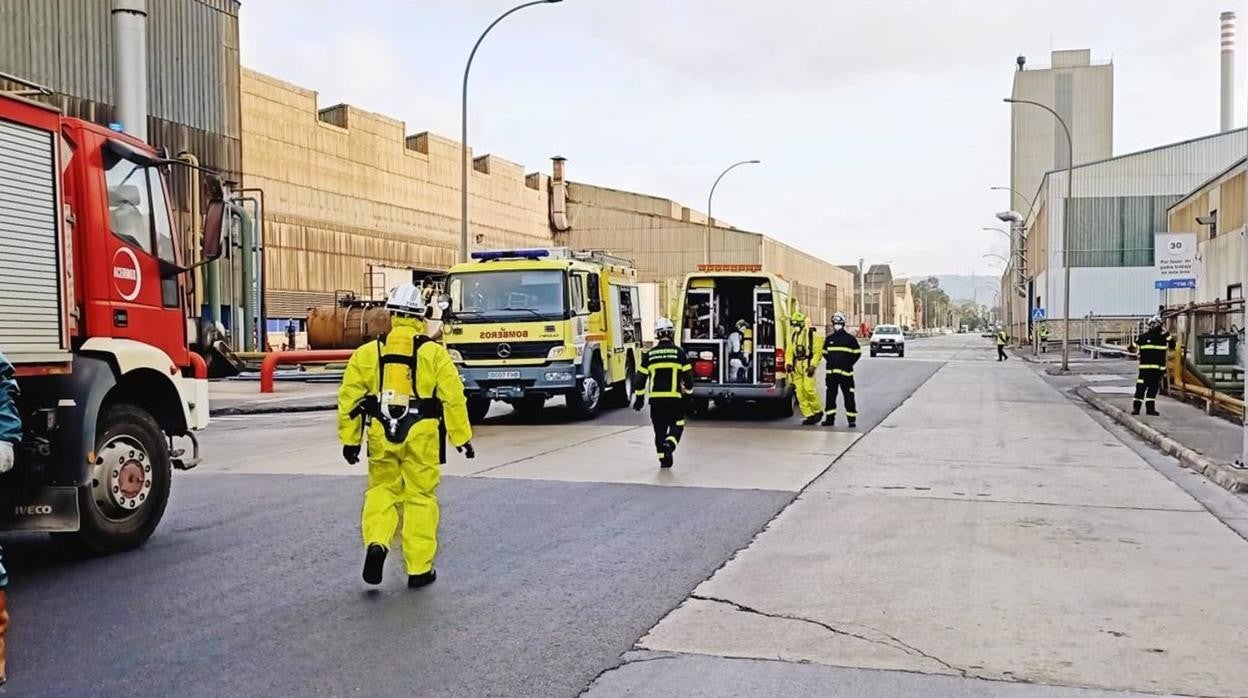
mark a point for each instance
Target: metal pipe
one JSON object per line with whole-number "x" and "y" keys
{"x": 256, "y": 279}
{"x": 463, "y": 141}
{"x": 1228, "y": 71}
{"x": 247, "y": 276}
{"x": 130, "y": 66}
{"x": 1070, "y": 177}
{"x": 273, "y": 359}
{"x": 262, "y": 271}
{"x": 706, "y": 234}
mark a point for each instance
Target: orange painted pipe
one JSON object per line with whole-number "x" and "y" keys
{"x": 321, "y": 356}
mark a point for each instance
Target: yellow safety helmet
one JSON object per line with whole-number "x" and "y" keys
{"x": 798, "y": 318}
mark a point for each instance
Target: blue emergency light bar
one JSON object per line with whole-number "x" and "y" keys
{"x": 489, "y": 255}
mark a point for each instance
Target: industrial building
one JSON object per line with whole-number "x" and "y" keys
{"x": 1215, "y": 212}
{"x": 903, "y": 304}
{"x": 1118, "y": 205}
{"x": 665, "y": 241}
{"x": 192, "y": 95}
{"x": 353, "y": 203}
{"x": 1082, "y": 93}
{"x": 347, "y": 202}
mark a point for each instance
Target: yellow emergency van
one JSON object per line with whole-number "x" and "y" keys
{"x": 730, "y": 365}
{"x": 527, "y": 325}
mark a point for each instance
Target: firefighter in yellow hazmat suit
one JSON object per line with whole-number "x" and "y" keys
{"x": 403, "y": 393}
{"x": 807, "y": 349}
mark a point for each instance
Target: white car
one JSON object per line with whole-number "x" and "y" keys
{"x": 888, "y": 339}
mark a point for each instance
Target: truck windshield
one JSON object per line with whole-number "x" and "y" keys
{"x": 491, "y": 296}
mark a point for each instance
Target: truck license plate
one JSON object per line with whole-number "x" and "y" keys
{"x": 502, "y": 375}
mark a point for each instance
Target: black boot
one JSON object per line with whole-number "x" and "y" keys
{"x": 416, "y": 581}
{"x": 1135, "y": 408}
{"x": 811, "y": 420}
{"x": 829, "y": 421}
{"x": 1152, "y": 411}
{"x": 669, "y": 455}
{"x": 853, "y": 423}
{"x": 374, "y": 562}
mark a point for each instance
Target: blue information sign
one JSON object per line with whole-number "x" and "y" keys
{"x": 1162, "y": 284}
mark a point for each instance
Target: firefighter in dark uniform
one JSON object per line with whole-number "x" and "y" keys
{"x": 841, "y": 351}
{"x": 1152, "y": 345}
{"x": 666, "y": 377}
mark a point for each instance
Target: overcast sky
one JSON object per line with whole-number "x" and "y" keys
{"x": 879, "y": 122}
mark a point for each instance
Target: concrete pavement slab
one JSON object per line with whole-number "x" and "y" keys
{"x": 1084, "y": 596}
{"x": 1124, "y": 585}
{"x": 1047, "y": 483}
{"x": 657, "y": 674}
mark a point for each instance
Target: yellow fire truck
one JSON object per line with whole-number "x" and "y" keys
{"x": 527, "y": 325}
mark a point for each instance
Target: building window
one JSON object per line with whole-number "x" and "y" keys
{"x": 1213, "y": 227}
{"x": 1234, "y": 292}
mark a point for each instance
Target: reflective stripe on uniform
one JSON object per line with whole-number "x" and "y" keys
{"x": 1139, "y": 380}
{"x": 841, "y": 372}
{"x": 851, "y": 414}
{"x": 643, "y": 370}
{"x": 673, "y": 439}
{"x": 847, "y": 350}
{"x": 1158, "y": 347}
{"x": 1156, "y": 367}
{"x": 680, "y": 422}
{"x": 829, "y": 413}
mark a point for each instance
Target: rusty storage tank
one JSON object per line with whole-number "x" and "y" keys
{"x": 346, "y": 324}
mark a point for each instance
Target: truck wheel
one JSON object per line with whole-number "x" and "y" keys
{"x": 622, "y": 392}
{"x": 125, "y": 498}
{"x": 478, "y": 407}
{"x": 587, "y": 400}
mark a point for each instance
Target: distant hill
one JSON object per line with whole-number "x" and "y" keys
{"x": 959, "y": 287}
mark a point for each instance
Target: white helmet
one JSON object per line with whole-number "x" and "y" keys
{"x": 664, "y": 329}
{"x": 838, "y": 318}
{"x": 1154, "y": 321}
{"x": 406, "y": 300}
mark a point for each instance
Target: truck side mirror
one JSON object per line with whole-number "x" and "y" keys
{"x": 595, "y": 297}
{"x": 214, "y": 223}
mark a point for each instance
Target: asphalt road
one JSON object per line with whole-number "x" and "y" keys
{"x": 251, "y": 585}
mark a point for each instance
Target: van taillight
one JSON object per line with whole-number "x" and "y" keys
{"x": 703, "y": 369}
{"x": 779, "y": 357}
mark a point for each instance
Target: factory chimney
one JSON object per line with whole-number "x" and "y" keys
{"x": 130, "y": 66}
{"x": 1228, "y": 71}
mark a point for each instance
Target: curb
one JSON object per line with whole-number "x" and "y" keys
{"x": 270, "y": 409}
{"x": 1224, "y": 475}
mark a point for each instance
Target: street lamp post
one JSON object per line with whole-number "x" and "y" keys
{"x": 1070, "y": 177}
{"x": 710, "y": 198}
{"x": 463, "y": 140}
{"x": 1015, "y": 192}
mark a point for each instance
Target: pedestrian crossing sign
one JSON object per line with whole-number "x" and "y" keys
{"x": 1037, "y": 313}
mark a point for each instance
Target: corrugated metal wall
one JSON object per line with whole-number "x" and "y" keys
{"x": 193, "y": 72}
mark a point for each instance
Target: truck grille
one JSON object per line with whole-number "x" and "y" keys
{"x": 483, "y": 351}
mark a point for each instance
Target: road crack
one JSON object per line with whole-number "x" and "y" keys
{"x": 891, "y": 641}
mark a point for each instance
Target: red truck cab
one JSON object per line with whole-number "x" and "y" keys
{"x": 93, "y": 317}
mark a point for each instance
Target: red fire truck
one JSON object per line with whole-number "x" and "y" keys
{"x": 93, "y": 317}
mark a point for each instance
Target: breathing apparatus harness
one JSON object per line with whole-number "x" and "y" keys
{"x": 397, "y": 419}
